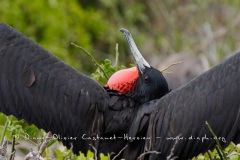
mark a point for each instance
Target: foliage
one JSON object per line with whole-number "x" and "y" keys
{"x": 20, "y": 129}
{"x": 232, "y": 152}
{"x": 159, "y": 27}
{"x": 108, "y": 68}
{"x": 54, "y": 24}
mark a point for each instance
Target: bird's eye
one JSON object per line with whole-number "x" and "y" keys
{"x": 146, "y": 79}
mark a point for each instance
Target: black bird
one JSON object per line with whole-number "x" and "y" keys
{"x": 43, "y": 90}
{"x": 142, "y": 83}
{"x": 176, "y": 122}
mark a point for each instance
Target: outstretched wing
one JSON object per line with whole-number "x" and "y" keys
{"x": 175, "y": 124}
{"x": 43, "y": 90}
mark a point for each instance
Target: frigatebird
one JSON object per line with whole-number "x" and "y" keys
{"x": 135, "y": 109}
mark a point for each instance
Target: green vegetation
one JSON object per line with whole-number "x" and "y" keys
{"x": 159, "y": 27}
{"x": 20, "y": 131}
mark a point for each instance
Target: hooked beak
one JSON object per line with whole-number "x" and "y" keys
{"x": 139, "y": 60}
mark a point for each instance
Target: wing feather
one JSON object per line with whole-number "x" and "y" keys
{"x": 179, "y": 117}
{"x": 40, "y": 88}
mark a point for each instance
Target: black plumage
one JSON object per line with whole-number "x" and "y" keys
{"x": 43, "y": 90}
{"x": 211, "y": 97}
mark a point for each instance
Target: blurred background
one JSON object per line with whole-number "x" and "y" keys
{"x": 199, "y": 33}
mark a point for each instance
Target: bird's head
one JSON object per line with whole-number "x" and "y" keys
{"x": 143, "y": 82}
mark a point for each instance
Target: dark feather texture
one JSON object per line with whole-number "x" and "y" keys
{"x": 212, "y": 97}
{"x": 37, "y": 86}
{"x": 43, "y": 90}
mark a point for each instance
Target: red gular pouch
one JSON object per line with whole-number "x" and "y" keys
{"x": 123, "y": 80}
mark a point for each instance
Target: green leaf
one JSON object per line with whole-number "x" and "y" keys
{"x": 33, "y": 131}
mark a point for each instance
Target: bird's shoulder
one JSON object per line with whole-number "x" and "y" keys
{"x": 120, "y": 111}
